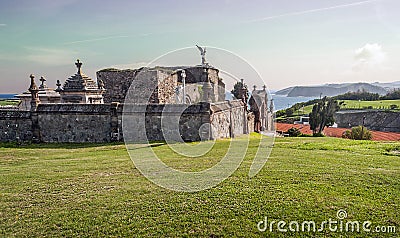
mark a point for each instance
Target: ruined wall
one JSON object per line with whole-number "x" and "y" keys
{"x": 221, "y": 121}
{"x": 374, "y": 120}
{"x": 172, "y": 122}
{"x": 228, "y": 119}
{"x": 167, "y": 84}
{"x": 239, "y": 117}
{"x": 15, "y": 125}
{"x": 148, "y": 85}
{"x": 104, "y": 122}
{"x": 157, "y": 83}
{"x": 116, "y": 83}
{"x": 250, "y": 122}
{"x": 270, "y": 121}
{"x": 196, "y": 75}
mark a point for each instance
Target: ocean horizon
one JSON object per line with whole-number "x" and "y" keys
{"x": 7, "y": 95}
{"x": 283, "y": 102}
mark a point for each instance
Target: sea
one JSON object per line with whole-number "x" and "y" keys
{"x": 280, "y": 102}
{"x": 7, "y": 96}
{"x": 283, "y": 102}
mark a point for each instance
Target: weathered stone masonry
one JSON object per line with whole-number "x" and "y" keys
{"x": 15, "y": 126}
{"x": 182, "y": 103}
{"x": 103, "y": 122}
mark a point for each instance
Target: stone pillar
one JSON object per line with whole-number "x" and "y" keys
{"x": 266, "y": 112}
{"x": 231, "y": 125}
{"x": 206, "y": 121}
{"x": 34, "y": 115}
{"x": 245, "y": 97}
{"x": 114, "y": 122}
{"x": 208, "y": 92}
{"x": 244, "y": 93}
{"x": 34, "y": 93}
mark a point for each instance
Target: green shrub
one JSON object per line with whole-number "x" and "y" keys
{"x": 294, "y": 132}
{"x": 358, "y": 133}
{"x": 347, "y": 135}
{"x": 394, "y": 106}
{"x": 318, "y": 134}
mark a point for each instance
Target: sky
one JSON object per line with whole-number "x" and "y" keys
{"x": 288, "y": 42}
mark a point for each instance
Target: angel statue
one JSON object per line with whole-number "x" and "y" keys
{"x": 203, "y": 55}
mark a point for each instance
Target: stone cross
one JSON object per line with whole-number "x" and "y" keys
{"x": 78, "y": 65}
{"x": 58, "y": 84}
{"x": 100, "y": 84}
{"x": 42, "y": 85}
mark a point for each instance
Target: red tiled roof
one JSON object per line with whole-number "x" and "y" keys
{"x": 337, "y": 132}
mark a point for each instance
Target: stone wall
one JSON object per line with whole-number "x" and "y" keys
{"x": 104, "y": 122}
{"x": 228, "y": 119}
{"x": 165, "y": 122}
{"x": 374, "y": 120}
{"x": 146, "y": 85}
{"x": 116, "y": 83}
{"x": 195, "y": 120}
{"x": 15, "y": 125}
{"x": 74, "y": 122}
{"x": 167, "y": 84}
{"x": 157, "y": 84}
{"x": 250, "y": 122}
{"x": 196, "y": 74}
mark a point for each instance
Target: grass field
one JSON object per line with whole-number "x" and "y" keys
{"x": 8, "y": 102}
{"x": 94, "y": 190}
{"x": 380, "y": 104}
{"x": 355, "y": 104}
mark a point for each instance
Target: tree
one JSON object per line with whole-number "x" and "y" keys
{"x": 359, "y": 95}
{"x": 322, "y": 115}
{"x": 237, "y": 89}
{"x": 395, "y": 94}
{"x": 289, "y": 112}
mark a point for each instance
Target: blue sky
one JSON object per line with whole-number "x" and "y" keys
{"x": 289, "y": 42}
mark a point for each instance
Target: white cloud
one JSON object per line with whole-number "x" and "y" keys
{"x": 313, "y": 10}
{"x": 370, "y": 56}
{"x": 2, "y": 24}
{"x": 95, "y": 39}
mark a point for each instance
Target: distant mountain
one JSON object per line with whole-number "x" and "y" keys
{"x": 388, "y": 86}
{"x": 284, "y": 91}
{"x": 330, "y": 90}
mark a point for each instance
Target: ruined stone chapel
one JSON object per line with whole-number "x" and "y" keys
{"x": 85, "y": 110}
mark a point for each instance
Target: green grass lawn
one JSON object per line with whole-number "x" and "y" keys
{"x": 354, "y": 104}
{"x": 94, "y": 190}
{"x": 380, "y": 104}
{"x": 9, "y": 102}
